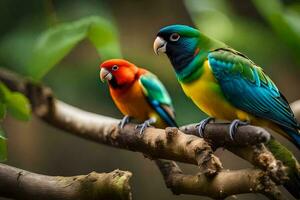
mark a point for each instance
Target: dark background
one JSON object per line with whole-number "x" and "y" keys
{"x": 37, "y": 147}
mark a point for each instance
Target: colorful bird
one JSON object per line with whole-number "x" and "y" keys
{"x": 138, "y": 94}
{"x": 224, "y": 83}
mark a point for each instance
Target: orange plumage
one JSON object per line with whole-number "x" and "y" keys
{"x": 128, "y": 93}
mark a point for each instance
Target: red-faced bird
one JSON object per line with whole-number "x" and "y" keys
{"x": 138, "y": 94}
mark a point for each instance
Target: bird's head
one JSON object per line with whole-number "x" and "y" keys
{"x": 179, "y": 42}
{"x": 118, "y": 72}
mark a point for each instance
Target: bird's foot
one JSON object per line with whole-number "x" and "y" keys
{"x": 126, "y": 119}
{"x": 202, "y": 124}
{"x": 145, "y": 125}
{"x": 233, "y": 127}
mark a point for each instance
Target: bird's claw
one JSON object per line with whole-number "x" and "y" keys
{"x": 233, "y": 127}
{"x": 142, "y": 127}
{"x": 202, "y": 124}
{"x": 145, "y": 125}
{"x": 124, "y": 121}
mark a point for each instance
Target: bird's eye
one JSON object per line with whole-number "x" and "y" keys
{"x": 115, "y": 68}
{"x": 174, "y": 37}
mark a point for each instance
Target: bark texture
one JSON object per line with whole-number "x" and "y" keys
{"x": 20, "y": 184}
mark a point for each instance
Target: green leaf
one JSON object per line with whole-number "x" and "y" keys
{"x": 2, "y": 110}
{"x": 3, "y": 146}
{"x": 4, "y": 93}
{"x": 18, "y": 106}
{"x": 16, "y": 103}
{"x": 55, "y": 43}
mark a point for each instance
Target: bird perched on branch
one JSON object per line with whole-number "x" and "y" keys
{"x": 138, "y": 94}
{"x": 226, "y": 84}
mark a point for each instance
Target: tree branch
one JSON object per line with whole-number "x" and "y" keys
{"x": 246, "y": 144}
{"x": 282, "y": 167}
{"x": 156, "y": 143}
{"x": 217, "y": 134}
{"x": 224, "y": 184}
{"x": 260, "y": 156}
{"x": 20, "y": 184}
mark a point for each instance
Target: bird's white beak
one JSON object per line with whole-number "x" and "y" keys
{"x": 159, "y": 45}
{"x": 105, "y": 75}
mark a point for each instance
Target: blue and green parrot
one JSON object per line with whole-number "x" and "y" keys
{"x": 227, "y": 85}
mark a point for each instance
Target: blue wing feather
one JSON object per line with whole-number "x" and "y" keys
{"x": 158, "y": 98}
{"x": 246, "y": 86}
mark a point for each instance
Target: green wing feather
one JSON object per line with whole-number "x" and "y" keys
{"x": 154, "y": 89}
{"x": 158, "y": 97}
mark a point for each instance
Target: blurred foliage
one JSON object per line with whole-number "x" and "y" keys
{"x": 285, "y": 20}
{"x": 54, "y": 44}
{"x": 35, "y": 54}
{"x": 218, "y": 19}
{"x": 17, "y": 105}
{"x": 38, "y": 42}
{"x": 3, "y": 147}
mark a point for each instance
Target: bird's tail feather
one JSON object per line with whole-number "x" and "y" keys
{"x": 172, "y": 123}
{"x": 296, "y": 139}
{"x": 292, "y": 135}
{"x": 168, "y": 122}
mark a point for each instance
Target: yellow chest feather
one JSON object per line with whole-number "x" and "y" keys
{"x": 207, "y": 95}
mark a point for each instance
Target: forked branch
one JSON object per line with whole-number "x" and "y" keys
{"x": 171, "y": 144}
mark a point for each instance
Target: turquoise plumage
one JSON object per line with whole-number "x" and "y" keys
{"x": 158, "y": 97}
{"x": 246, "y": 86}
